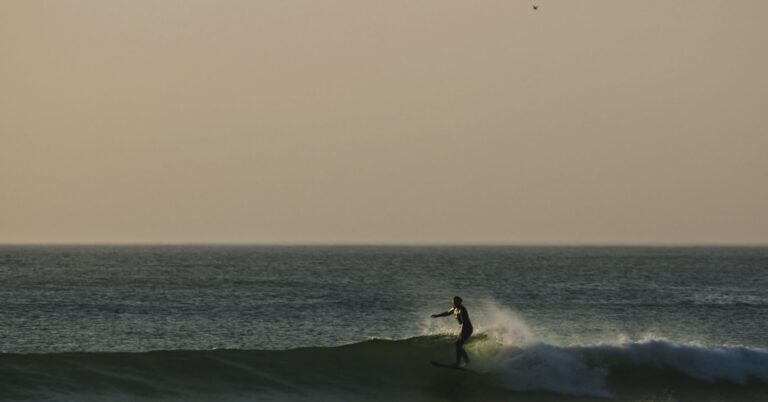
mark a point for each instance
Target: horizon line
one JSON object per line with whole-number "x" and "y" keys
{"x": 372, "y": 244}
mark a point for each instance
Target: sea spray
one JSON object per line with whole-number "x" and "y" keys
{"x": 506, "y": 347}
{"x": 504, "y": 325}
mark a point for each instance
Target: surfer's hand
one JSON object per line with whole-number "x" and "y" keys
{"x": 434, "y": 316}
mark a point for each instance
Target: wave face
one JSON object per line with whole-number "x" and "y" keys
{"x": 396, "y": 370}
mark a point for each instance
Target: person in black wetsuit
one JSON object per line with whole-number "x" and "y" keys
{"x": 462, "y": 316}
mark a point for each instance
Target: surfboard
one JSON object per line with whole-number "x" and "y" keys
{"x": 449, "y": 366}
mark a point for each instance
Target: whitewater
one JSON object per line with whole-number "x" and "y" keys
{"x": 349, "y": 324}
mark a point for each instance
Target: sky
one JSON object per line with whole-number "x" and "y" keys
{"x": 384, "y": 122}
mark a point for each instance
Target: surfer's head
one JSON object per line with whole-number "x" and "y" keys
{"x": 456, "y": 301}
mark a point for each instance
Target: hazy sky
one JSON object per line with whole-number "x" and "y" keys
{"x": 389, "y": 121}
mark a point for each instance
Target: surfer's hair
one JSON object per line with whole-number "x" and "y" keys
{"x": 457, "y": 298}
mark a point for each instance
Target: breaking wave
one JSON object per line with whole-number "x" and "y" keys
{"x": 508, "y": 360}
{"x": 379, "y": 369}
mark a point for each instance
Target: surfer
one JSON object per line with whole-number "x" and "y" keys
{"x": 462, "y": 316}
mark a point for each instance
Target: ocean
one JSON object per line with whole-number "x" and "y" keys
{"x": 247, "y": 323}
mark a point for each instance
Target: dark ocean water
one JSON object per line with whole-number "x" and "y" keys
{"x": 352, "y": 323}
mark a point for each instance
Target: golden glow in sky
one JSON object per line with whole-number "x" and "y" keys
{"x": 383, "y": 121}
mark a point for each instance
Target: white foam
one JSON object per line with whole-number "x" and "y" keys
{"x": 549, "y": 368}
{"x": 511, "y": 350}
{"x": 732, "y": 364}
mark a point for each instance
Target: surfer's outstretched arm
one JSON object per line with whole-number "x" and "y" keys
{"x": 447, "y": 313}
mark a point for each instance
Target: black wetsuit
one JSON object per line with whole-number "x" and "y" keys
{"x": 462, "y": 316}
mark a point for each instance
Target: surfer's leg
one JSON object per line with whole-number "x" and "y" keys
{"x": 460, "y": 352}
{"x": 464, "y": 352}
{"x": 464, "y": 355}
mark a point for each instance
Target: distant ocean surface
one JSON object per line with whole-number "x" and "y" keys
{"x": 182, "y": 323}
